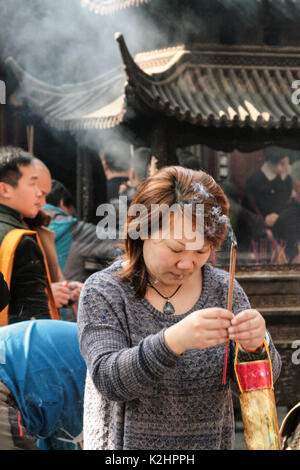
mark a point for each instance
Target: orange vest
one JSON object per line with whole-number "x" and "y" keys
{"x": 7, "y": 254}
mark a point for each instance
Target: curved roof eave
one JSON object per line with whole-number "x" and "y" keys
{"x": 238, "y": 86}
{"x": 209, "y": 86}
{"x": 106, "y": 7}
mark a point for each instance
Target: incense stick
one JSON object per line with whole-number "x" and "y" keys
{"x": 232, "y": 263}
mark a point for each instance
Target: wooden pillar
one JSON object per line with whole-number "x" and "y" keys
{"x": 90, "y": 184}
{"x": 81, "y": 185}
{"x": 163, "y": 144}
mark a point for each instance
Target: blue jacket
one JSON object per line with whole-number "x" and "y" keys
{"x": 41, "y": 364}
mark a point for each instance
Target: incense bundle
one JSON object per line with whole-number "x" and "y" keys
{"x": 232, "y": 264}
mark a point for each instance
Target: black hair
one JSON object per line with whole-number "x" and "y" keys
{"x": 275, "y": 154}
{"x": 189, "y": 160}
{"x": 11, "y": 158}
{"x": 59, "y": 192}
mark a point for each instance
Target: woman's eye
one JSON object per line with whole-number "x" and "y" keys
{"x": 175, "y": 251}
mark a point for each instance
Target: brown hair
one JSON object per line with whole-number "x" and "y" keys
{"x": 173, "y": 185}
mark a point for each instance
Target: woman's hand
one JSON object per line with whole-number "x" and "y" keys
{"x": 248, "y": 328}
{"x": 200, "y": 329}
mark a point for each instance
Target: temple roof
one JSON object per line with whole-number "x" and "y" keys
{"x": 210, "y": 85}
{"x": 104, "y": 7}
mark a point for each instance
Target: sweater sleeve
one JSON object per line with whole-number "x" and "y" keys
{"x": 88, "y": 244}
{"x": 120, "y": 372}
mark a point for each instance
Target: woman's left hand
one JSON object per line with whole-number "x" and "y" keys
{"x": 248, "y": 328}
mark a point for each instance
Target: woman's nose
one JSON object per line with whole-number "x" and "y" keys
{"x": 186, "y": 262}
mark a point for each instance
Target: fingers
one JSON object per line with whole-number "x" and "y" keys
{"x": 212, "y": 326}
{"x": 244, "y": 316}
{"x": 246, "y": 320}
{"x": 219, "y": 324}
{"x": 213, "y": 323}
{"x": 248, "y": 328}
{"x": 216, "y": 336}
{"x": 248, "y": 335}
{"x": 217, "y": 313}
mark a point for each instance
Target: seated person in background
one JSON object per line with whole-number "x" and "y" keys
{"x": 287, "y": 226}
{"x": 268, "y": 190}
{"x": 75, "y": 240}
{"x": 246, "y": 225}
{"x": 116, "y": 164}
{"x": 42, "y": 377}
{"x": 26, "y": 277}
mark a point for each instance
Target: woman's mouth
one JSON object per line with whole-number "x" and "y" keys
{"x": 178, "y": 276}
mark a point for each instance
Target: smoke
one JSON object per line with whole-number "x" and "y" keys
{"x": 60, "y": 42}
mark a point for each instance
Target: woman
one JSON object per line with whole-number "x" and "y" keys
{"x": 152, "y": 326}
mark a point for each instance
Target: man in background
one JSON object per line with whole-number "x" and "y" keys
{"x": 116, "y": 164}
{"x": 268, "y": 190}
{"x": 287, "y": 227}
{"x": 138, "y": 172}
{"x": 20, "y": 197}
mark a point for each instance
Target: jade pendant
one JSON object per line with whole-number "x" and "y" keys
{"x": 168, "y": 308}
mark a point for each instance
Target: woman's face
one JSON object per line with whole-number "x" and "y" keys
{"x": 174, "y": 260}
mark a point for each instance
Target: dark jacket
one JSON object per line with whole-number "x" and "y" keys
{"x": 28, "y": 297}
{"x": 287, "y": 229}
{"x": 267, "y": 196}
{"x": 113, "y": 186}
{"x": 4, "y": 293}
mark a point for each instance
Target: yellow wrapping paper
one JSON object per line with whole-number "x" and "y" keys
{"x": 259, "y": 413}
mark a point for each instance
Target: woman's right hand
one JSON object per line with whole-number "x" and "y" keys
{"x": 200, "y": 329}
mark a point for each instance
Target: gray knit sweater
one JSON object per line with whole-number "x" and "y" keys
{"x": 139, "y": 394}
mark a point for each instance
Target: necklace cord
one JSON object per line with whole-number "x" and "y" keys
{"x": 163, "y": 296}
